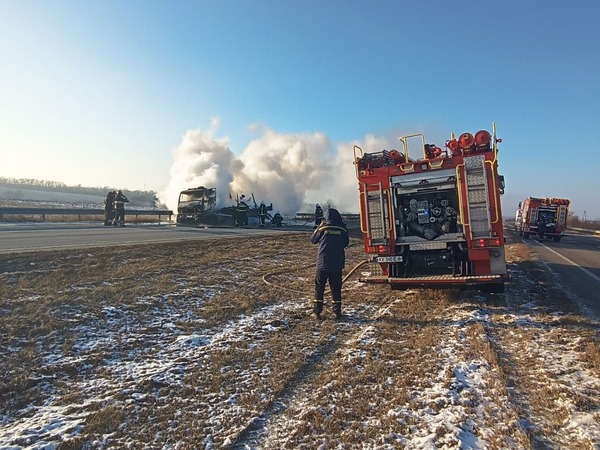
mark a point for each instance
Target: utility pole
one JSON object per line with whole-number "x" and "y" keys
{"x": 584, "y": 215}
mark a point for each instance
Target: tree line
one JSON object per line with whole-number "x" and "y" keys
{"x": 577, "y": 222}
{"x": 137, "y": 196}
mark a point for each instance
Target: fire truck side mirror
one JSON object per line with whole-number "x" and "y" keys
{"x": 502, "y": 185}
{"x": 519, "y": 205}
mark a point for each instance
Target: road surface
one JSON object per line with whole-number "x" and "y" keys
{"x": 23, "y": 238}
{"x": 576, "y": 262}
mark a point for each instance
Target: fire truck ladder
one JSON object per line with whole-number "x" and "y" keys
{"x": 477, "y": 197}
{"x": 376, "y": 215}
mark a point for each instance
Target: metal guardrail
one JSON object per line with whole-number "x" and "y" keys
{"x": 311, "y": 216}
{"x": 584, "y": 230}
{"x": 79, "y": 212}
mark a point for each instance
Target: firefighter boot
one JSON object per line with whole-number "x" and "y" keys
{"x": 337, "y": 310}
{"x": 318, "y": 308}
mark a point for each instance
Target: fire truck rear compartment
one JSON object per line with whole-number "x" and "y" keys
{"x": 428, "y": 232}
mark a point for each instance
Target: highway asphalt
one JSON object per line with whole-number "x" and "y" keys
{"x": 575, "y": 261}
{"x": 47, "y": 236}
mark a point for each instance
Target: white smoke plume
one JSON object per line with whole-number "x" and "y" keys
{"x": 293, "y": 171}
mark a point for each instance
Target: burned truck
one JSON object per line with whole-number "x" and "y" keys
{"x": 196, "y": 207}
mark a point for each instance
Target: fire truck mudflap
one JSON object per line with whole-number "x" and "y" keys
{"x": 434, "y": 221}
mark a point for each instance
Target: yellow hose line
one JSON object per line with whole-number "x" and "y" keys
{"x": 279, "y": 272}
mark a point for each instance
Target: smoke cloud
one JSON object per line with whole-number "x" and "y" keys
{"x": 293, "y": 171}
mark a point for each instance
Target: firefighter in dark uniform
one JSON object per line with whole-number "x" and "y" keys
{"x": 332, "y": 238}
{"x": 542, "y": 226}
{"x": 262, "y": 214}
{"x": 277, "y": 220}
{"x": 241, "y": 214}
{"x": 318, "y": 215}
{"x": 109, "y": 208}
{"x": 120, "y": 201}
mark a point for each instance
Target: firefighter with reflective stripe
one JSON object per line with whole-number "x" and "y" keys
{"x": 318, "y": 215}
{"x": 262, "y": 214}
{"x": 332, "y": 238}
{"x": 241, "y": 213}
{"x": 120, "y": 201}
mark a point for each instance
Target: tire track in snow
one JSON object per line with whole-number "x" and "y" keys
{"x": 515, "y": 396}
{"x": 530, "y": 364}
{"x": 254, "y": 433}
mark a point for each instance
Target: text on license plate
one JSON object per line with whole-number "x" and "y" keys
{"x": 389, "y": 259}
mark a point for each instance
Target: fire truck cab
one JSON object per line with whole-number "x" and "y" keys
{"x": 434, "y": 220}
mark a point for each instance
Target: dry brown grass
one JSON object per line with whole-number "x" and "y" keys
{"x": 359, "y": 380}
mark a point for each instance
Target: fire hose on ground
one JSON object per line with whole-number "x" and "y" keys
{"x": 279, "y": 272}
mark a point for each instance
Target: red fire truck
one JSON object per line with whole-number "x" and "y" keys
{"x": 552, "y": 213}
{"x": 434, "y": 220}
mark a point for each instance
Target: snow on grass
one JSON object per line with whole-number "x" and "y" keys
{"x": 231, "y": 364}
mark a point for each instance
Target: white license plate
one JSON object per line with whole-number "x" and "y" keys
{"x": 389, "y": 259}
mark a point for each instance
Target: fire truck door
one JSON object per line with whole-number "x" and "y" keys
{"x": 478, "y": 201}
{"x": 562, "y": 216}
{"x": 376, "y": 214}
{"x": 534, "y": 216}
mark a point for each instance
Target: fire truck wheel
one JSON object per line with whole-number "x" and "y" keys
{"x": 525, "y": 235}
{"x": 556, "y": 238}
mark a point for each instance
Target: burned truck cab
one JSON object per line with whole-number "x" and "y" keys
{"x": 195, "y": 205}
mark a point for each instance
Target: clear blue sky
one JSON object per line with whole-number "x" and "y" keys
{"x": 100, "y": 93}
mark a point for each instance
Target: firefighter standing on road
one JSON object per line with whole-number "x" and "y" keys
{"x": 332, "y": 238}
{"x": 318, "y": 215}
{"x": 262, "y": 214}
{"x": 241, "y": 213}
{"x": 120, "y": 201}
{"x": 542, "y": 227}
{"x": 109, "y": 208}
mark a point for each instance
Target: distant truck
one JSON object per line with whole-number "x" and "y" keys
{"x": 195, "y": 206}
{"x": 553, "y": 212}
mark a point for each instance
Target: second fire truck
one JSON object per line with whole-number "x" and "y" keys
{"x": 431, "y": 217}
{"x": 550, "y": 212}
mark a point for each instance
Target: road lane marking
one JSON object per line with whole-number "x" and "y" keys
{"x": 572, "y": 263}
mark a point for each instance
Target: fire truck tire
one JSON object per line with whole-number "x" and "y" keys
{"x": 525, "y": 235}
{"x": 556, "y": 238}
